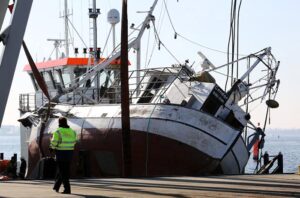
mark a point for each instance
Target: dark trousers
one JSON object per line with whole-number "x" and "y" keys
{"x": 63, "y": 160}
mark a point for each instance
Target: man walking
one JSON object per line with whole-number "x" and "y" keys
{"x": 62, "y": 143}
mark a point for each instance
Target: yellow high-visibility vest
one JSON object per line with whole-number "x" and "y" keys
{"x": 63, "y": 139}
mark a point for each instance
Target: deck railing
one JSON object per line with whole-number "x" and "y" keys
{"x": 151, "y": 88}
{"x": 27, "y": 102}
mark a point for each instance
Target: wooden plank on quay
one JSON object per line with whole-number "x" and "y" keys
{"x": 286, "y": 185}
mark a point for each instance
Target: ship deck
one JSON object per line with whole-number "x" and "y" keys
{"x": 286, "y": 185}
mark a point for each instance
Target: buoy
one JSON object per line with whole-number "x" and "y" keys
{"x": 256, "y": 150}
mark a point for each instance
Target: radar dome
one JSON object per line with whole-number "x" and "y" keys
{"x": 113, "y": 16}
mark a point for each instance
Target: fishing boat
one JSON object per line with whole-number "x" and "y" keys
{"x": 181, "y": 121}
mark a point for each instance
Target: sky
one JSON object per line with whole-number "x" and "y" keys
{"x": 263, "y": 23}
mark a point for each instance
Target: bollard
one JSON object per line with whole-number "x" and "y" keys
{"x": 266, "y": 158}
{"x": 1, "y": 156}
{"x": 280, "y": 163}
{"x": 15, "y": 156}
{"x": 266, "y": 161}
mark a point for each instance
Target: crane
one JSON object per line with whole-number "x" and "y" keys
{"x": 11, "y": 37}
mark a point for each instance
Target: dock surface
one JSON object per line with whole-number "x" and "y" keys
{"x": 286, "y": 185}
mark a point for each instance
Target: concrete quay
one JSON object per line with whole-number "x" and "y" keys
{"x": 285, "y": 185}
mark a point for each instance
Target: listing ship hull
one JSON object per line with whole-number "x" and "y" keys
{"x": 166, "y": 140}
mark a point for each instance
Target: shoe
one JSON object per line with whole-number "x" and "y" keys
{"x": 66, "y": 192}
{"x": 56, "y": 189}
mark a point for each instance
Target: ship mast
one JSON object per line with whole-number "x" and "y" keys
{"x": 138, "y": 45}
{"x": 93, "y": 14}
{"x": 66, "y": 28}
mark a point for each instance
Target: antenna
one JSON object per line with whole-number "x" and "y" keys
{"x": 66, "y": 28}
{"x": 57, "y": 44}
{"x": 66, "y": 15}
{"x": 206, "y": 64}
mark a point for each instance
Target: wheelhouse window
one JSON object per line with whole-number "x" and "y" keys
{"x": 66, "y": 76}
{"x": 36, "y": 87}
{"x": 48, "y": 79}
{"x": 58, "y": 78}
{"x": 79, "y": 72}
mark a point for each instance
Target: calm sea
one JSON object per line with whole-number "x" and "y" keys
{"x": 285, "y": 141}
{"x": 10, "y": 145}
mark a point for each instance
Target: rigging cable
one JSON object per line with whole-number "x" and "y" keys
{"x": 51, "y": 53}
{"x": 160, "y": 25}
{"x": 247, "y": 98}
{"x": 238, "y": 39}
{"x": 167, "y": 10}
{"x": 81, "y": 21}
{"x": 233, "y": 39}
{"x": 107, "y": 41}
{"x": 222, "y": 74}
{"x": 71, "y": 37}
{"x": 147, "y": 49}
{"x": 161, "y": 19}
{"x": 228, "y": 45}
{"x": 77, "y": 33}
{"x": 200, "y": 45}
{"x": 161, "y": 43}
{"x": 191, "y": 41}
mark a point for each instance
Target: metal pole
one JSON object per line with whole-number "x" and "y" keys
{"x": 126, "y": 142}
{"x": 3, "y": 9}
{"x": 56, "y": 45}
{"x": 138, "y": 67}
{"x": 117, "y": 71}
{"x": 95, "y": 31}
{"x": 66, "y": 28}
{"x": 114, "y": 36}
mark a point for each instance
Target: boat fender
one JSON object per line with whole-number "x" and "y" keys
{"x": 256, "y": 150}
{"x": 272, "y": 104}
